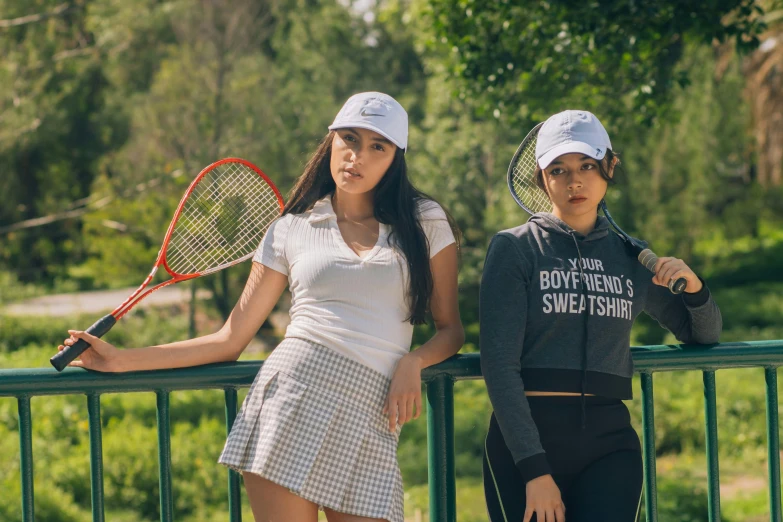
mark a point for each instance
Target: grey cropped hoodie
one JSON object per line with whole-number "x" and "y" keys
{"x": 543, "y": 330}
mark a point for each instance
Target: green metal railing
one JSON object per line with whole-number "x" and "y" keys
{"x": 439, "y": 379}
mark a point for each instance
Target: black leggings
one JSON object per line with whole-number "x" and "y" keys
{"x": 598, "y": 469}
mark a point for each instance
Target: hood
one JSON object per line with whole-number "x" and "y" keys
{"x": 554, "y": 225}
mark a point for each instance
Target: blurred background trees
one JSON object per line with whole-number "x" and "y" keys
{"x": 108, "y": 108}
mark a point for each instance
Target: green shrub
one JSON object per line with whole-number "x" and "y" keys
{"x": 135, "y": 329}
{"x": 681, "y": 499}
{"x": 679, "y": 412}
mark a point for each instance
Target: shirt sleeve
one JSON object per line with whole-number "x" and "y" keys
{"x": 272, "y": 251}
{"x": 436, "y": 226}
{"x": 503, "y": 317}
{"x": 692, "y": 318}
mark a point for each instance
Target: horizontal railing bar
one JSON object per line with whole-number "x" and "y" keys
{"x": 47, "y": 381}
{"x": 767, "y": 354}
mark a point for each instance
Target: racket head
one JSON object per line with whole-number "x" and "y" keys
{"x": 221, "y": 219}
{"x": 521, "y": 176}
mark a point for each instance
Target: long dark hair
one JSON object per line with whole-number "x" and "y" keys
{"x": 395, "y": 204}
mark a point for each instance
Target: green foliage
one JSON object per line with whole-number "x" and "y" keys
{"x": 54, "y": 506}
{"x": 109, "y": 111}
{"x": 17, "y": 332}
{"x": 52, "y": 98}
{"x": 751, "y": 259}
{"x": 525, "y": 60}
{"x": 757, "y": 305}
{"x": 470, "y": 501}
{"x": 11, "y": 289}
{"x": 679, "y": 413}
{"x": 134, "y": 330}
{"x": 680, "y": 179}
{"x": 681, "y": 498}
{"x": 471, "y": 419}
{"x": 750, "y": 506}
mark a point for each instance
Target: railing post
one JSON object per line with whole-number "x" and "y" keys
{"x": 234, "y": 499}
{"x": 164, "y": 457}
{"x": 713, "y": 474}
{"x": 440, "y": 449}
{"x": 773, "y": 443}
{"x": 648, "y": 428}
{"x": 26, "y": 457}
{"x": 96, "y": 456}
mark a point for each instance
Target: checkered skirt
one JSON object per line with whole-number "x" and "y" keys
{"x": 313, "y": 423}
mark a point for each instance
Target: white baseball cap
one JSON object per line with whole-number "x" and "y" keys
{"x": 571, "y": 131}
{"x": 377, "y": 112}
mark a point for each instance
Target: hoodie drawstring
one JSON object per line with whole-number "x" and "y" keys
{"x": 584, "y": 340}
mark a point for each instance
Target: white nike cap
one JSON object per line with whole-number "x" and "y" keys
{"x": 377, "y": 112}
{"x": 571, "y": 131}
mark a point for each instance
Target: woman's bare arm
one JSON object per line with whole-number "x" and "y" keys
{"x": 261, "y": 292}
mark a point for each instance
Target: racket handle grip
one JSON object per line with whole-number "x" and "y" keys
{"x": 61, "y": 359}
{"x": 648, "y": 259}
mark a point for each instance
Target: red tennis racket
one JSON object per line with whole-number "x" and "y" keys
{"x": 219, "y": 222}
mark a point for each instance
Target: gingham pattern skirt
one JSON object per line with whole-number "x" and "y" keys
{"x": 313, "y": 423}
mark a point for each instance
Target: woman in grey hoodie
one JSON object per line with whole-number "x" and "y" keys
{"x": 559, "y": 295}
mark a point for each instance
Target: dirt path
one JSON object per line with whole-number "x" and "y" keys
{"x": 98, "y": 301}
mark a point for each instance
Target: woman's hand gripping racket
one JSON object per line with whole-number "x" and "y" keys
{"x": 219, "y": 222}
{"x": 529, "y": 196}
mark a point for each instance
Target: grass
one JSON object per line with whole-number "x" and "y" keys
{"x": 744, "y": 495}
{"x": 470, "y": 502}
{"x": 678, "y": 408}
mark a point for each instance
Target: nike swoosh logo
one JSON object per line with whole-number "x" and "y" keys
{"x": 366, "y": 113}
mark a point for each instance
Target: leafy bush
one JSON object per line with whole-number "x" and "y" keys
{"x": 681, "y": 498}
{"x": 679, "y": 412}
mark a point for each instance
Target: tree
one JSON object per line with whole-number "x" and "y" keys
{"x": 61, "y": 115}
{"x": 524, "y": 60}
{"x": 51, "y": 90}
{"x": 257, "y": 80}
{"x": 765, "y": 92}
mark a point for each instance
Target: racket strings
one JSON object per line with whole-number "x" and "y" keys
{"x": 232, "y": 206}
{"x": 523, "y": 182}
{"x": 233, "y": 225}
{"x": 224, "y": 237}
{"x": 222, "y": 221}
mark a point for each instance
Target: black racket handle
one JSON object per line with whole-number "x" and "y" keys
{"x": 648, "y": 259}
{"x": 61, "y": 359}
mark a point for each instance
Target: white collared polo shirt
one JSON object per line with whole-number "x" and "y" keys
{"x": 354, "y": 305}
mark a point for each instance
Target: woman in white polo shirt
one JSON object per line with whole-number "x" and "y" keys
{"x": 365, "y": 255}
